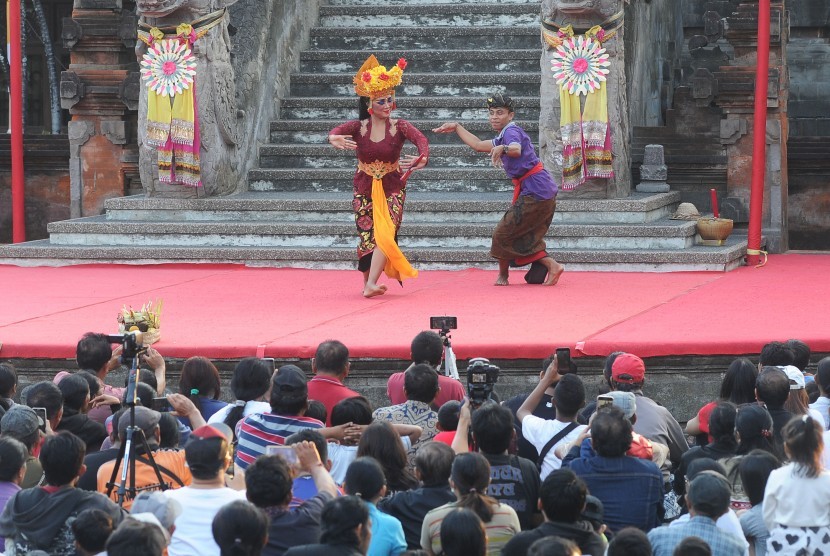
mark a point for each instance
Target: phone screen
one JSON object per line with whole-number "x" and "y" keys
{"x": 563, "y": 360}
{"x": 285, "y": 452}
{"x": 604, "y": 401}
{"x": 162, "y": 405}
{"x": 41, "y": 415}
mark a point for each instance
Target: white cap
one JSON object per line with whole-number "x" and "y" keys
{"x": 796, "y": 377}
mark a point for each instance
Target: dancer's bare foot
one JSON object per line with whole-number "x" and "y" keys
{"x": 555, "y": 270}
{"x": 373, "y": 291}
{"x": 502, "y": 280}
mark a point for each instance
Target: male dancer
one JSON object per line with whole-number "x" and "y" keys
{"x": 519, "y": 238}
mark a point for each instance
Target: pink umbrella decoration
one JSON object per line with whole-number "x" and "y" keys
{"x": 580, "y": 65}
{"x": 169, "y": 67}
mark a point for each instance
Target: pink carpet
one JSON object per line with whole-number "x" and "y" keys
{"x": 230, "y": 311}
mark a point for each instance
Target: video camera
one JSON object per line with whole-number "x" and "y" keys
{"x": 131, "y": 345}
{"x": 481, "y": 377}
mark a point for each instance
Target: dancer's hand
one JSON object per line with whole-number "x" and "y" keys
{"x": 495, "y": 156}
{"x": 446, "y": 127}
{"x": 407, "y": 160}
{"x": 343, "y": 142}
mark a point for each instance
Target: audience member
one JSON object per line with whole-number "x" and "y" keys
{"x": 201, "y": 384}
{"x": 356, "y": 410}
{"x": 629, "y": 542}
{"x": 421, "y": 387}
{"x": 469, "y": 480}
{"x": 345, "y": 530}
{"x": 289, "y": 399}
{"x": 208, "y": 455}
{"x": 380, "y": 441}
{"x": 330, "y": 366}
{"x": 75, "y": 392}
{"x": 305, "y": 487}
{"x": 40, "y": 518}
{"x": 775, "y": 354}
{"x": 8, "y": 386}
{"x": 796, "y": 511}
{"x": 708, "y": 499}
{"x": 562, "y": 501}
{"x": 553, "y": 546}
{"x": 798, "y": 402}
{"x": 13, "y": 456}
{"x": 514, "y": 481}
{"x": 822, "y": 379}
{"x": 365, "y": 479}
{"x": 428, "y": 348}
{"x": 171, "y": 463}
{"x": 772, "y": 389}
{"x": 240, "y": 529}
{"x": 94, "y": 461}
{"x": 92, "y": 528}
{"x": 269, "y": 486}
{"x": 737, "y": 386}
{"x": 250, "y": 383}
{"x": 693, "y": 546}
{"x": 801, "y": 354}
{"x": 448, "y": 415}
{"x": 755, "y": 469}
{"x": 544, "y": 410}
{"x": 631, "y": 489}
{"x": 433, "y": 465}
{"x": 544, "y": 434}
{"x": 604, "y": 386}
{"x": 136, "y": 538}
{"x": 22, "y": 423}
{"x": 164, "y": 511}
{"x": 463, "y": 534}
{"x": 723, "y": 445}
{"x": 48, "y": 396}
{"x": 94, "y": 353}
{"x": 654, "y": 421}
{"x": 316, "y": 410}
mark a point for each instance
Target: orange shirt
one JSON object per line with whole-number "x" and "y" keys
{"x": 145, "y": 476}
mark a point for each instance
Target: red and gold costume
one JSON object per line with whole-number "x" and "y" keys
{"x": 379, "y": 194}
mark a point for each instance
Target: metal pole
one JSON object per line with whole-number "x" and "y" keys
{"x": 16, "y": 117}
{"x": 759, "y": 158}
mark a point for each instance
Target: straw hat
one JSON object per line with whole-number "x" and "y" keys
{"x": 686, "y": 211}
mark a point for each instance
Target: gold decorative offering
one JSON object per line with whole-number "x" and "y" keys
{"x": 147, "y": 320}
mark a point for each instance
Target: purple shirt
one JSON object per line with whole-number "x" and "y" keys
{"x": 7, "y": 490}
{"x": 541, "y": 185}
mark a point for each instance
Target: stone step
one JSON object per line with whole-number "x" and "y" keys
{"x": 456, "y": 15}
{"x": 409, "y": 108}
{"x": 385, "y": 3}
{"x": 464, "y": 84}
{"x": 457, "y": 61}
{"x": 698, "y": 258}
{"x": 421, "y": 207}
{"x": 324, "y": 156}
{"x": 317, "y": 130}
{"x": 667, "y": 234}
{"x": 378, "y": 39}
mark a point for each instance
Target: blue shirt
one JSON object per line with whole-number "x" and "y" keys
{"x": 540, "y": 186}
{"x": 387, "y": 534}
{"x": 665, "y": 539}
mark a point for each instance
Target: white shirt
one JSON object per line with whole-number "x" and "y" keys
{"x": 341, "y": 457}
{"x": 539, "y": 431}
{"x": 193, "y": 527}
{"x": 251, "y": 407}
{"x": 794, "y": 500}
{"x": 822, "y": 405}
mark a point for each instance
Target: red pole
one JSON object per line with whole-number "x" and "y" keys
{"x": 759, "y": 158}
{"x": 16, "y": 116}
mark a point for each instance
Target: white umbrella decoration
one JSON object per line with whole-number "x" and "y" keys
{"x": 580, "y": 65}
{"x": 169, "y": 67}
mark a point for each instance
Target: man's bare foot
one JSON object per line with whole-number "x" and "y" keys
{"x": 555, "y": 270}
{"x": 373, "y": 291}
{"x": 502, "y": 280}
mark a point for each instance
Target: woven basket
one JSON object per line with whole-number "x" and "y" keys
{"x": 717, "y": 229}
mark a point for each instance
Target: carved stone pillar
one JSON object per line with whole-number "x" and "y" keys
{"x": 100, "y": 89}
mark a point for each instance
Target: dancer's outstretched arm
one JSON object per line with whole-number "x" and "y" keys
{"x": 471, "y": 140}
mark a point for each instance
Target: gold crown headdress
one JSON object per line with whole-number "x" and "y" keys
{"x": 373, "y": 80}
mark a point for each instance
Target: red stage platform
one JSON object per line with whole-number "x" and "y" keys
{"x": 228, "y": 311}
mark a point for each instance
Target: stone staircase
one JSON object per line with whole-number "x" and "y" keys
{"x": 297, "y": 209}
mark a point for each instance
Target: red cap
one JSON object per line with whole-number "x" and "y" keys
{"x": 628, "y": 369}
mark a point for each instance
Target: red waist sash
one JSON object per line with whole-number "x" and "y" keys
{"x": 517, "y": 182}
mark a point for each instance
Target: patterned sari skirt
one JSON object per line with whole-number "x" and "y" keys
{"x": 521, "y": 231}
{"x": 362, "y": 206}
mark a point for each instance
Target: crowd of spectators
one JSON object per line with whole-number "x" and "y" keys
{"x": 308, "y": 467}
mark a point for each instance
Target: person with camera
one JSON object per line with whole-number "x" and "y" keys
{"x": 547, "y": 434}
{"x": 426, "y": 347}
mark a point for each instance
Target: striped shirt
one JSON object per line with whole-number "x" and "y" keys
{"x": 500, "y": 529}
{"x": 260, "y": 430}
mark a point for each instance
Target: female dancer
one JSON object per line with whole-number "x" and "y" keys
{"x": 519, "y": 238}
{"x": 379, "y": 185}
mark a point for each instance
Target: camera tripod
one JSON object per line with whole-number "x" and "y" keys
{"x": 127, "y": 455}
{"x": 450, "y": 367}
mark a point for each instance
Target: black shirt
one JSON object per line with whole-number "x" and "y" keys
{"x": 515, "y": 482}
{"x": 580, "y": 532}
{"x": 411, "y": 506}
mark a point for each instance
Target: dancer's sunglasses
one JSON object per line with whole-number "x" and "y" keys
{"x": 385, "y": 101}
